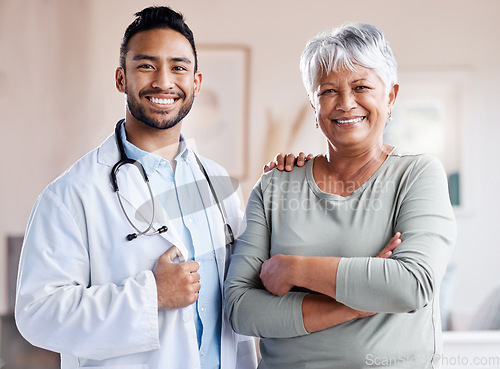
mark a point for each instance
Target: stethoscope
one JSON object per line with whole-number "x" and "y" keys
{"x": 150, "y": 230}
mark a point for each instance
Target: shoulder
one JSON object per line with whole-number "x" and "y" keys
{"x": 218, "y": 175}
{"x": 414, "y": 162}
{"x": 212, "y": 167}
{"x": 416, "y": 172}
{"x": 225, "y": 186}
{"x": 276, "y": 179}
{"x": 89, "y": 171}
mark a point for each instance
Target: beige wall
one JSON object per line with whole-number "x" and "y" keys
{"x": 57, "y": 95}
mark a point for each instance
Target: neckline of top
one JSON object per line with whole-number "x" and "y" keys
{"x": 331, "y": 196}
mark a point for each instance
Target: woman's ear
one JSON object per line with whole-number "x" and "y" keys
{"x": 312, "y": 102}
{"x": 393, "y": 93}
{"x": 120, "y": 79}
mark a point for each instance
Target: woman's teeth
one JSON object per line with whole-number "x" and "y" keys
{"x": 161, "y": 101}
{"x": 354, "y": 120}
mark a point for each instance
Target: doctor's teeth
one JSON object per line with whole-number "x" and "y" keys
{"x": 162, "y": 101}
{"x": 354, "y": 120}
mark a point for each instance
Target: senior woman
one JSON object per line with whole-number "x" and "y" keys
{"x": 303, "y": 272}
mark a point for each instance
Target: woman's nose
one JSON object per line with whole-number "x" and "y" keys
{"x": 346, "y": 101}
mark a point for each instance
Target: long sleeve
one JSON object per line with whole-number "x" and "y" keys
{"x": 251, "y": 309}
{"x": 59, "y": 308}
{"x": 409, "y": 279}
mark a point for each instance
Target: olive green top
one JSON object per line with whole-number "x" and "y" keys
{"x": 287, "y": 213}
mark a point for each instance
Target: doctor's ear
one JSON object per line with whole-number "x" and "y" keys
{"x": 120, "y": 79}
{"x": 197, "y": 83}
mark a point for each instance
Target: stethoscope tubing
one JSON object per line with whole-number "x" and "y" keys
{"x": 124, "y": 159}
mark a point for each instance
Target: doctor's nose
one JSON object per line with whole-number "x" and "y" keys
{"x": 163, "y": 80}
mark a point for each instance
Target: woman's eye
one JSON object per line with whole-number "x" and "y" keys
{"x": 326, "y": 92}
{"x": 359, "y": 88}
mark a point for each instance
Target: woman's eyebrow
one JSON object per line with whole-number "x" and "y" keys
{"x": 361, "y": 80}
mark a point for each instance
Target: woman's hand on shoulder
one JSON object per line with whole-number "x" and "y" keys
{"x": 286, "y": 162}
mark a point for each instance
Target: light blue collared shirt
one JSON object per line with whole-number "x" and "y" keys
{"x": 182, "y": 202}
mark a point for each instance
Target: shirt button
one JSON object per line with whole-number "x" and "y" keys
{"x": 203, "y": 309}
{"x": 190, "y": 220}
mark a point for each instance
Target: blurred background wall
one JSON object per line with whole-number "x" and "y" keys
{"x": 58, "y": 100}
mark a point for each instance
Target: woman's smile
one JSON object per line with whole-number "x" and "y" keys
{"x": 348, "y": 122}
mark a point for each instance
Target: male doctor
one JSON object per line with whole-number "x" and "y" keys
{"x": 114, "y": 273}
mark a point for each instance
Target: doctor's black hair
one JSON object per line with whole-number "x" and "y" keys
{"x": 156, "y": 17}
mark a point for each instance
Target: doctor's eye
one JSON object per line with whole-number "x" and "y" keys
{"x": 179, "y": 68}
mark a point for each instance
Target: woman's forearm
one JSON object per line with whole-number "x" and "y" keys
{"x": 282, "y": 272}
{"x": 316, "y": 273}
{"x": 320, "y": 312}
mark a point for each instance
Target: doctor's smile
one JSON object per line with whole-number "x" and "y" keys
{"x": 163, "y": 100}
{"x": 166, "y": 102}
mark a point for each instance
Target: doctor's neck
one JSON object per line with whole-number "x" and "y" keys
{"x": 162, "y": 142}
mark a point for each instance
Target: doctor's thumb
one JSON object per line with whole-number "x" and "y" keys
{"x": 172, "y": 253}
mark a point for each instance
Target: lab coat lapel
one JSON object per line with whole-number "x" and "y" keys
{"x": 213, "y": 215}
{"x": 218, "y": 239}
{"x": 173, "y": 238}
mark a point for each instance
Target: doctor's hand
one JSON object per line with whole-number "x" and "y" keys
{"x": 177, "y": 283}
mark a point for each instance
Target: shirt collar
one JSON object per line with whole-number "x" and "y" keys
{"x": 151, "y": 161}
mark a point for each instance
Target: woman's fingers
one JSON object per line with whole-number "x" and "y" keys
{"x": 394, "y": 242}
{"x": 286, "y": 162}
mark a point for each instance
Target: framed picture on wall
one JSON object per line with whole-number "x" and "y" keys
{"x": 218, "y": 124}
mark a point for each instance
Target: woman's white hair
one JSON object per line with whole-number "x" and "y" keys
{"x": 345, "y": 47}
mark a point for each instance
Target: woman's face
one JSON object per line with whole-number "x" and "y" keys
{"x": 352, "y": 108}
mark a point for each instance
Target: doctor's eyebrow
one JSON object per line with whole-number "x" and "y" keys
{"x": 145, "y": 57}
{"x": 154, "y": 58}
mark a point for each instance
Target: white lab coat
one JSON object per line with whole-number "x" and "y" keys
{"x": 86, "y": 292}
